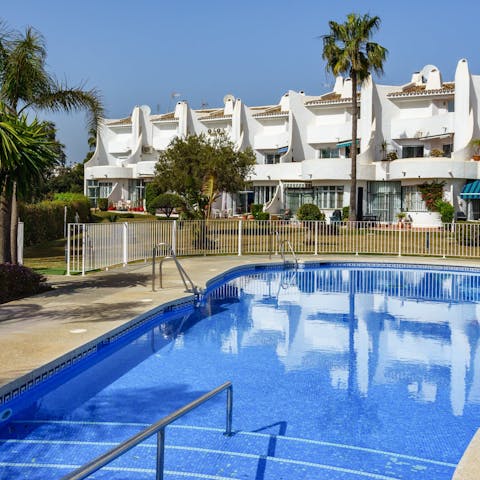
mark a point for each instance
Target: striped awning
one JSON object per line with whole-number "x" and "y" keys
{"x": 346, "y": 143}
{"x": 471, "y": 190}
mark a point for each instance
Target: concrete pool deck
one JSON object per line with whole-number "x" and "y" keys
{"x": 37, "y": 330}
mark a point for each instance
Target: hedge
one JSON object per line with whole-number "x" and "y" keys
{"x": 44, "y": 221}
{"x": 18, "y": 281}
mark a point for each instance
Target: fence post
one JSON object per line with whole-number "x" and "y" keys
{"x": 68, "y": 250}
{"x": 84, "y": 247}
{"x": 174, "y": 237}
{"x": 239, "y": 238}
{"x": 20, "y": 241}
{"x": 400, "y": 240}
{"x": 316, "y": 237}
{"x": 125, "y": 244}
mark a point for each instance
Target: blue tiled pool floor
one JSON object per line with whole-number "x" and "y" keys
{"x": 341, "y": 374}
{"x": 201, "y": 452}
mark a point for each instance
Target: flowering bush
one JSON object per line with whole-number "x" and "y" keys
{"x": 431, "y": 194}
{"x": 18, "y": 281}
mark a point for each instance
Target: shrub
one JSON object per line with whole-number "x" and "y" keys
{"x": 18, "y": 281}
{"x": 255, "y": 209}
{"x": 446, "y": 210}
{"x": 437, "y": 153}
{"x": 345, "y": 213}
{"x": 103, "y": 204}
{"x": 45, "y": 220}
{"x": 431, "y": 194}
{"x": 262, "y": 216}
{"x": 309, "y": 211}
{"x": 166, "y": 203}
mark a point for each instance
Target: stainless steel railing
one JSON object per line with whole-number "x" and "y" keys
{"x": 159, "y": 429}
{"x": 282, "y": 252}
{"x": 170, "y": 255}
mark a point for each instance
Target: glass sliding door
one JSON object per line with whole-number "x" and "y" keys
{"x": 384, "y": 200}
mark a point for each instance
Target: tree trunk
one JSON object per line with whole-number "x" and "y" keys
{"x": 14, "y": 226}
{"x": 352, "y": 216}
{"x": 5, "y": 219}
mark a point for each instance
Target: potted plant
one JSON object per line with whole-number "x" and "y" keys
{"x": 392, "y": 155}
{"x": 475, "y": 143}
{"x": 436, "y": 153}
{"x": 401, "y": 217}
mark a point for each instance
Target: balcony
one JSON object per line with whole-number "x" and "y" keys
{"x": 271, "y": 141}
{"x": 421, "y": 128}
{"x": 318, "y": 134}
{"x": 279, "y": 171}
{"x": 432, "y": 167}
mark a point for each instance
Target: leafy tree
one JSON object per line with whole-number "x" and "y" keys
{"x": 166, "y": 203}
{"x": 64, "y": 179}
{"x": 198, "y": 169}
{"x": 26, "y": 84}
{"x": 348, "y": 50}
{"x": 26, "y": 152}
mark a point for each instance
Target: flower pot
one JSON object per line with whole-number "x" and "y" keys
{"x": 476, "y": 157}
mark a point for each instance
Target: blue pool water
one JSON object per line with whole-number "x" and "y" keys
{"x": 339, "y": 372}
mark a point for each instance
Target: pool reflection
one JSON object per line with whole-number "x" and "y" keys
{"x": 414, "y": 328}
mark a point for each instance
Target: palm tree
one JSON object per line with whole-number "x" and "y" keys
{"x": 27, "y": 150}
{"x": 26, "y": 85}
{"x": 348, "y": 50}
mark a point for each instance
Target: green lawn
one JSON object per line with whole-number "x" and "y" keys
{"x": 46, "y": 258}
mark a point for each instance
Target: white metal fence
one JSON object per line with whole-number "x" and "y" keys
{"x": 97, "y": 246}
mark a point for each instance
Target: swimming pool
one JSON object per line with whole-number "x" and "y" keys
{"x": 349, "y": 371}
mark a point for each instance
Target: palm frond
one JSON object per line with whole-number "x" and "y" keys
{"x": 61, "y": 98}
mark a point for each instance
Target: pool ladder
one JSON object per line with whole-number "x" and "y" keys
{"x": 170, "y": 255}
{"x": 288, "y": 245}
{"x": 159, "y": 429}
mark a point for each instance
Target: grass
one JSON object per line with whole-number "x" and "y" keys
{"x": 101, "y": 217}
{"x": 47, "y": 258}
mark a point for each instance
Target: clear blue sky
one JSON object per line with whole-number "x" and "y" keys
{"x": 139, "y": 52}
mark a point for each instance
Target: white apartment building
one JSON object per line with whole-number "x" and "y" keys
{"x": 408, "y": 134}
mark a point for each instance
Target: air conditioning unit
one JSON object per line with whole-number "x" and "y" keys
{"x": 147, "y": 149}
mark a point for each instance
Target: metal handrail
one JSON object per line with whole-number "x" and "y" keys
{"x": 159, "y": 429}
{"x": 292, "y": 251}
{"x": 171, "y": 256}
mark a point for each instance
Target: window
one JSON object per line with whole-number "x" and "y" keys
{"x": 451, "y": 105}
{"x": 92, "y": 192}
{"x": 329, "y": 197}
{"x": 105, "y": 189}
{"x": 263, "y": 194}
{"x": 272, "y": 158}
{"x": 384, "y": 200}
{"x": 296, "y": 197}
{"x": 136, "y": 189}
{"x": 447, "y": 150}
{"x": 348, "y": 151}
{"x": 412, "y": 151}
{"x": 412, "y": 199}
{"x": 329, "y": 153}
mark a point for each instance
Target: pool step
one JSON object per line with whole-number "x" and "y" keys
{"x": 200, "y": 452}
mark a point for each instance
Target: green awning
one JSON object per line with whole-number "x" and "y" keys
{"x": 346, "y": 143}
{"x": 471, "y": 190}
